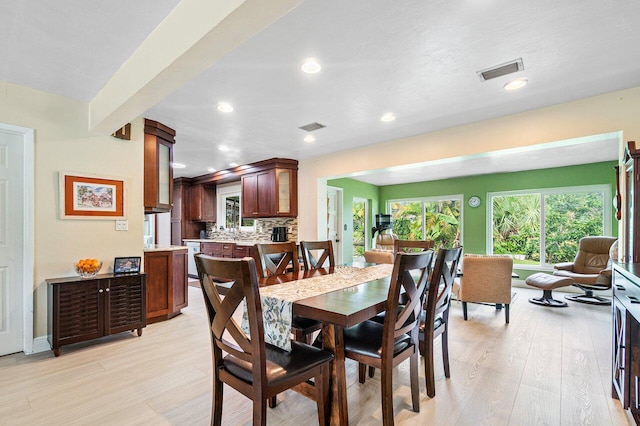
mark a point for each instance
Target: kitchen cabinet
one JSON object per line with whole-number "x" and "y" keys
{"x": 167, "y": 291}
{"x": 625, "y": 358}
{"x": 217, "y": 249}
{"x": 158, "y": 173}
{"x": 202, "y": 203}
{"x": 182, "y": 228}
{"x": 270, "y": 193}
{"x": 81, "y": 309}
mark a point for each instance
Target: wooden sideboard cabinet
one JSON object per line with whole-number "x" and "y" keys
{"x": 625, "y": 375}
{"x": 167, "y": 291}
{"x": 81, "y": 309}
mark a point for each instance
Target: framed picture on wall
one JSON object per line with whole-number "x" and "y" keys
{"x": 85, "y": 196}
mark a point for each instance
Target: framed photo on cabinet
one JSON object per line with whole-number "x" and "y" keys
{"x": 84, "y": 196}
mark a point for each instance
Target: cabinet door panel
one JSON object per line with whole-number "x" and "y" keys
{"x": 249, "y": 196}
{"x": 266, "y": 193}
{"x": 125, "y": 304}
{"x": 180, "y": 281}
{"x": 619, "y": 373}
{"x": 157, "y": 266}
{"x": 80, "y": 311}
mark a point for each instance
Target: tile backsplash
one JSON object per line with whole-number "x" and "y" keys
{"x": 263, "y": 230}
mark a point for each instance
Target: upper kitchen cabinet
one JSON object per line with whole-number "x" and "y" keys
{"x": 158, "y": 174}
{"x": 203, "y": 203}
{"x": 271, "y": 193}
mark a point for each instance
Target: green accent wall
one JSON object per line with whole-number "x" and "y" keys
{"x": 475, "y": 219}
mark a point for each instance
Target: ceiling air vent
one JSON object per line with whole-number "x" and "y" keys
{"x": 311, "y": 127}
{"x": 500, "y": 70}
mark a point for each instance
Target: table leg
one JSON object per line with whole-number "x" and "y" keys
{"x": 332, "y": 340}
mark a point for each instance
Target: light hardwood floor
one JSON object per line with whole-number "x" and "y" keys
{"x": 548, "y": 366}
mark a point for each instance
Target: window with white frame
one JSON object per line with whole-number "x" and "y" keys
{"x": 541, "y": 227}
{"x": 434, "y": 218}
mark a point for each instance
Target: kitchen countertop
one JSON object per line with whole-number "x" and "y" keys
{"x": 238, "y": 242}
{"x": 156, "y": 247}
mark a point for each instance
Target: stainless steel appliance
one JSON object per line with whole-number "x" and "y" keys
{"x": 279, "y": 234}
{"x": 193, "y": 247}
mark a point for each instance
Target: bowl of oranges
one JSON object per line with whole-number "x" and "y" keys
{"x": 88, "y": 268}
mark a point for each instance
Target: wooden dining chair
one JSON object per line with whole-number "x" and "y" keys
{"x": 386, "y": 345}
{"x": 278, "y": 259}
{"x": 412, "y": 246}
{"x": 435, "y": 317}
{"x": 254, "y": 368}
{"x": 324, "y": 254}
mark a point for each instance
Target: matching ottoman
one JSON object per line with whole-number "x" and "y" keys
{"x": 547, "y": 283}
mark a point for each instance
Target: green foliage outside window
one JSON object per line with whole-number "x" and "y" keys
{"x": 435, "y": 220}
{"x": 359, "y": 231}
{"x": 517, "y": 225}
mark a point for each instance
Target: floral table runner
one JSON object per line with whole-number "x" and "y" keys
{"x": 277, "y": 300}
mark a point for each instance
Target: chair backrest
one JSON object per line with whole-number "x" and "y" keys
{"x": 323, "y": 253}
{"x": 593, "y": 255}
{"x": 244, "y": 286}
{"x": 278, "y": 258}
{"x": 412, "y": 246}
{"x": 385, "y": 241}
{"x": 410, "y": 276}
{"x": 486, "y": 278}
{"x": 444, "y": 273}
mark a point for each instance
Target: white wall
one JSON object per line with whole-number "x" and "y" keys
{"x": 63, "y": 143}
{"x": 617, "y": 111}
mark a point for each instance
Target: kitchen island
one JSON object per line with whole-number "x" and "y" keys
{"x": 166, "y": 269}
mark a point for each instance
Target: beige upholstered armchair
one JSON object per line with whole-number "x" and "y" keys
{"x": 485, "y": 279}
{"x": 591, "y": 269}
{"x": 383, "y": 252}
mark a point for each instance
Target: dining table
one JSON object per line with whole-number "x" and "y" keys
{"x": 337, "y": 310}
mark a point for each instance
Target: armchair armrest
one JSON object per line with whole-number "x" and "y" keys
{"x": 564, "y": 266}
{"x": 606, "y": 272}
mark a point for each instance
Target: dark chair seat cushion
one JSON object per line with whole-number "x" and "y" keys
{"x": 281, "y": 364}
{"x": 302, "y": 323}
{"x": 366, "y": 339}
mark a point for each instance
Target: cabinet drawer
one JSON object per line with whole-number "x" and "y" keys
{"x": 227, "y": 249}
{"x": 242, "y": 251}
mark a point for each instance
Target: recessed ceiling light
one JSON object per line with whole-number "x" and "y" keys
{"x": 224, "y": 107}
{"x": 223, "y": 148}
{"x": 309, "y": 139}
{"x": 178, "y": 165}
{"x": 516, "y": 84}
{"x": 233, "y": 164}
{"x": 388, "y": 117}
{"x": 311, "y": 66}
{"x": 211, "y": 170}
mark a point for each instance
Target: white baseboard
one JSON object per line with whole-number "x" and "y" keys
{"x": 40, "y": 344}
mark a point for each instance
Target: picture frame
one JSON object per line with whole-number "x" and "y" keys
{"x": 85, "y": 196}
{"x": 127, "y": 265}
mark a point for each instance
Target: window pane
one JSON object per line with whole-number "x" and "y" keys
{"x": 569, "y": 217}
{"x": 359, "y": 224}
{"x": 407, "y": 219}
{"x": 516, "y": 227}
{"x": 442, "y": 222}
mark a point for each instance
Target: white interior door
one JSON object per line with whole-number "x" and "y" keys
{"x": 334, "y": 221}
{"x": 11, "y": 242}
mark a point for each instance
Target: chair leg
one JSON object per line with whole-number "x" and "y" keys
{"x": 387, "y": 396}
{"x": 464, "y": 310}
{"x": 414, "y": 361}
{"x": 362, "y": 372}
{"x": 429, "y": 374}
{"x": 445, "y": 352}
{"x": 216, "y": 404}
{"x": 506, "y": 312}
{"x": 372, "y": 371}
{"x": 259, "y": 412}
{"x": 273, "y": 402}
{"x": 322, "y": 396}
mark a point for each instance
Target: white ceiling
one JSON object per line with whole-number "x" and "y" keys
{"x": 416, "y": 58}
